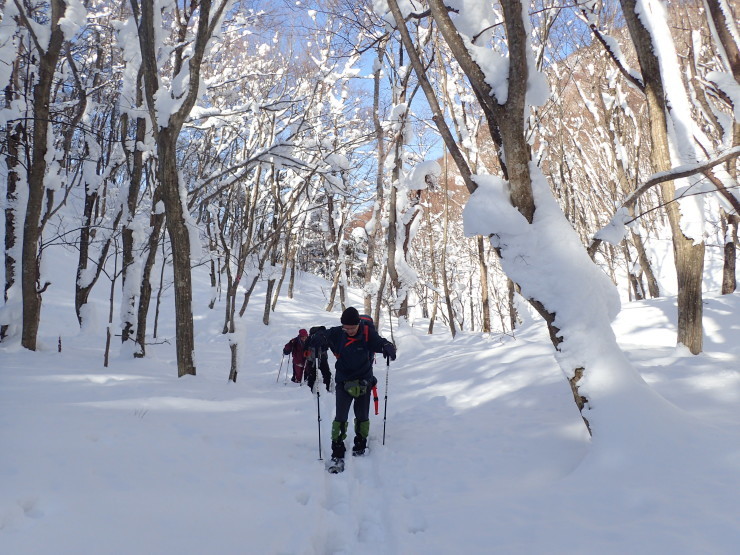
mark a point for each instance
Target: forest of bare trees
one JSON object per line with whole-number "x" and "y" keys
{"x": 258, "y": 139}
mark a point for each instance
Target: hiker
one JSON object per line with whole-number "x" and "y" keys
{"x": 317, "y": 355}
{"x": 352, "y": 343}
{"x": 297, "y": 347}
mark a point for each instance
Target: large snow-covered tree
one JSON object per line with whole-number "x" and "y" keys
{"x": 46, "y": 34}
{"x": 172, "y": 66}
{"x": 518, "y": 211}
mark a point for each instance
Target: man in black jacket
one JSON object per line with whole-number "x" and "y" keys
{"x": 353, "y": 344}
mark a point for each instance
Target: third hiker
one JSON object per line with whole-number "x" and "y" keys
{"x": 297, "y": 347}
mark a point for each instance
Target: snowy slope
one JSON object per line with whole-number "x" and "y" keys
{"x": 485, "y": 450}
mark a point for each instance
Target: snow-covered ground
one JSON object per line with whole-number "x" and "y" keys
{"x": 485, "y": 451}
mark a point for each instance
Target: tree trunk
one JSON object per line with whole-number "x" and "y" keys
{"x": 160, "y": 289}
{"x": 291, "y": 280}
{"x": 511, "y": 295}
{"x": 627, "y": 187}
{"x": 433, "y": 271}
{"x": 111, "y": 297}
{"x": 689, "y": 257}
{"x": 14, "y": 133}
{"x": 234, "y": 366}
{"x": 379, "y": 294}
{"x": 372, "y": 239}
{"x": 86, "y": 233}
{"x": 717, "y": 15}
{"x": 30, "y": 259}
{"x": 166, "y": 136}
{"x": 270, "y": 283}
{"x": 127, "y": 236}
{"x": 83, "y": 289}
{"x": 286, "y": 257}
{"x": 268, "y": 296}
{"x": 443, "y": 262}
{"x": 635, "y": 287}
{"x": 333, "y": 291}
{"x": 395, "y": 281}
{"x": 180, "y": 242}
{"x": 729, "y": 279}
{"x": 213, "y": 274}
{"x": 399, "y": 289}
{"x": 484, "y": 285}
{"x": 145, "y": 293}
{"x": 646, "y": 265}
{"x": 506, "y": 124}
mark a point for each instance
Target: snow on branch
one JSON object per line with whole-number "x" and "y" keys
{"x": 611, "y": 46}
{"x": 615, "y": 230}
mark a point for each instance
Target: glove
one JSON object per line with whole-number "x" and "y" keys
{"x": 286, "y": 351}
{"x": 389, "y": 351}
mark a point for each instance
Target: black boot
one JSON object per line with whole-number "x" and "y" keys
{"x": 338, "y": 434}
{"x": 337, "y": 449}
{"x": 358, "y": 449}
{"x": 362, "y": 430}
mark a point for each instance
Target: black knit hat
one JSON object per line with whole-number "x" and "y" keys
{"x": 350, "y": 317}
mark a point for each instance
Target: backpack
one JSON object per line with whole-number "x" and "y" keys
{"x": 367, "y": 325}
{"x": 316, "y": 330}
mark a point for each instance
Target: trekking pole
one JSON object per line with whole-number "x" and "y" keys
{"x": 385, "y": 408}
{"x": 318, "y": 411}
{"x": 280, "y": 369}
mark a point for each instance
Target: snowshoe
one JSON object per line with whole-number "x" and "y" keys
{"x": 335, "y": 466}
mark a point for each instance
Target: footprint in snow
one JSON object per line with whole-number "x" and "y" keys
{"x": 417, "y": 523}
{"x": 303, "y": 497}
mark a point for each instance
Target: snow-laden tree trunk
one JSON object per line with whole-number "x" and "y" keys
{"x": 48, "y": 55}
{"x": 398, "y": 287}
{"x": 193, "y": 26}
{"x": 372, "y": 227}
{"x": 14, "y": 131}
{"x": 131, "y": 268}
{"x": 688, "y": 252}
{"x": 539, "y": 249}
{"x": 724, "y": 27}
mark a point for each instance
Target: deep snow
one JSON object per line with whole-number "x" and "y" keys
{"x": 485, "y": 450}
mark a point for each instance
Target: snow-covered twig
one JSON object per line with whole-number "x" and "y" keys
{"x": 621, "y": 217}
{"x": 685, "y": 170}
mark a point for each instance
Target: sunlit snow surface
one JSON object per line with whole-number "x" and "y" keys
{"x": 485, "y": 450}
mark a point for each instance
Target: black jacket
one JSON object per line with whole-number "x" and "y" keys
{"x": 354, "y": 353}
